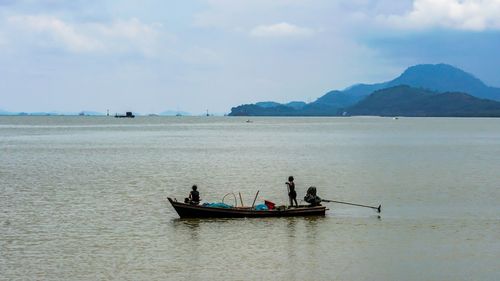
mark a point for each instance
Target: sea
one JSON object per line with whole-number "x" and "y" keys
{"x": 84, "y": 198}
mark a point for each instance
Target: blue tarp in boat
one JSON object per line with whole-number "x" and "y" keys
{"x": 217, "y": 205}
{"x": 261, "y": 207}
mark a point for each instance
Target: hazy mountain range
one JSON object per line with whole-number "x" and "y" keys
{"x": 174, "y": 113}
{"x": 429, "y": 90}
{"x": 53, "y": 113}
{"x": 90, "y": 113}
{"x": 462, "y": 89}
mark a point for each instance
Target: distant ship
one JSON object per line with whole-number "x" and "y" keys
{"x": 128, "y": 114}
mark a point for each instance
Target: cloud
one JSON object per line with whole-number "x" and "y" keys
{"x": 471, "y": 15}
{"x": 59, "y": 31}
{"x": 281, "y": 30}
{"x": 117, "y": 36}
{"x": 243, "y": 14}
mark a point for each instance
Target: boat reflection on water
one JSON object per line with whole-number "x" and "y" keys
{"x": 223, "y": 228}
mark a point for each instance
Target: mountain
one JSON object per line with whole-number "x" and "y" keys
{"x": 52, "y": 113}
{"x": 409, "y": 101}
{"x": 268, "y": 104}
{"x": 86, "y": 113}
{"x": 432, "y": 77}
{"x": 42, "y": 113}
{"x": 271, "y": 104}
{"x": 4, "y": 112}
{"x": 255, "y": 110}
{"x": 270, "y": 108}
{"x": 362, "y": 90}
{"x": 446, "y": 78}
{"x": 296, "y": 104}
{"x": 338, "y": 99}
{"x": 174, "y": 113}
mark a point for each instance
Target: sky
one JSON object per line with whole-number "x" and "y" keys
{"x": 150, "y": 56}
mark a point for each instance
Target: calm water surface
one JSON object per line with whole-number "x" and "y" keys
{"x": 83, "y": 198}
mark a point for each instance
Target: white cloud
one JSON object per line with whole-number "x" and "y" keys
{"x": 131, "y": 35}
{"x": 281, "y": 30}
{"x": 58, "y": 30}
{"x": 118, "y": 36}
{"x": 474, "y": 15}
{"x": 242, "y": 14}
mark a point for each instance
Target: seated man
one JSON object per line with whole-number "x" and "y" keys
{"x": 194, "y": 196}
{"x": 312, "y": 198}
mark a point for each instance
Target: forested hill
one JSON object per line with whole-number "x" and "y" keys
{"x": 408, "y": 101}
{"x": 438, "y": 78}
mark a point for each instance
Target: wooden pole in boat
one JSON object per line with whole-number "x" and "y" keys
{"x": 255, "y": 199}
{"x": 353, "y": 204}
{"x": 241, "y": 199}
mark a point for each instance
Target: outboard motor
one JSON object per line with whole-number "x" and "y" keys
{"x": 312, "y": 198}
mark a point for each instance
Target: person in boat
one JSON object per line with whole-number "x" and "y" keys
{"x": 194, "y": 196}
{"x": 312, "y": 198}
{"x": 292, "y": 194}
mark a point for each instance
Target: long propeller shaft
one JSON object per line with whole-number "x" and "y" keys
{"x": 379, "y": 208}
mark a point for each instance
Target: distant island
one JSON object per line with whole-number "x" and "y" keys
{"x": 439, "y": 90}
{"x": 52, "y": 113}
{"x": 91, "y": 113}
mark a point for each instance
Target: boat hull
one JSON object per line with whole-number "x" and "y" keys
{"x": 197, "y": 211}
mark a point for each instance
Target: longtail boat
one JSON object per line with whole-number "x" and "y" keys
{"x": 186, "y": 210}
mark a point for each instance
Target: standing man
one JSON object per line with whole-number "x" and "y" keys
{"x": 292, "y": 194}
